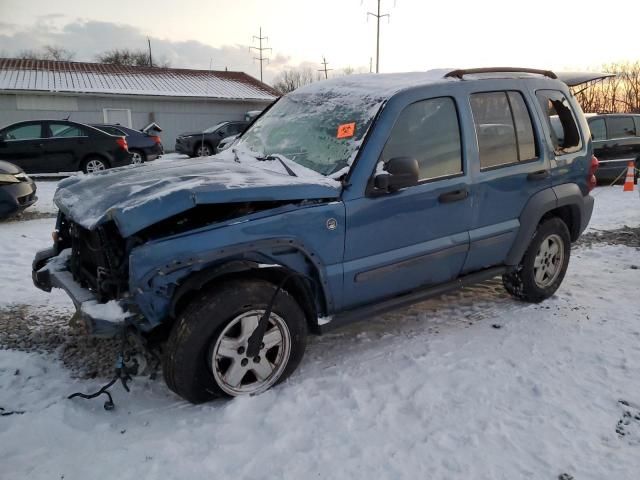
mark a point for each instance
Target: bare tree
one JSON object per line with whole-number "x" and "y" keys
{"x": 48, "y": 52}
{"x": 289, "y": 80}
{"x": 129, "y": 57}
{"x": 613, "y": 95}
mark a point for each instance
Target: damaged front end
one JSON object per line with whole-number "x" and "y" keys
{"x": 92, "y": 267}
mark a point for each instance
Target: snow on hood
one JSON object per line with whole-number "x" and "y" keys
{"x": 138, "y": 196}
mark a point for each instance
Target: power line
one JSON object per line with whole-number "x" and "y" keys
{"x": 378, "y": 16}
{"x": 261, "y": 58}
{"x": 325, "y": 69}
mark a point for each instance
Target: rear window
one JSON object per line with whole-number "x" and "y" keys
{"x": 503, "y": 128}
{"x": 598, "y": 129}
{"x": 620, "y": 127}
{"x": 112, "y": 130}
{"x": 565, "y": 135}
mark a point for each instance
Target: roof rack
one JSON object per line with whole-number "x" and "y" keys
{"x": 470, "y": 71}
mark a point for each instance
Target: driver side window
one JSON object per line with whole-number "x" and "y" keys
{"x": 429, "y": 132}
{"x": 23, "y": 132}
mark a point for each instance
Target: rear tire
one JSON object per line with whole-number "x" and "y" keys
{"x": 94, "y": 164}
{"x": 209, "y": 337}
{"x": 543, "y": 265}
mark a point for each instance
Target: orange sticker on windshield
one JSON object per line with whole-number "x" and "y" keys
{"x": 346, "y": 130}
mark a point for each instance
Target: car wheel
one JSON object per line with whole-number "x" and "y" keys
{"x": 544, "y": 264}
{"x": 94, "y": 164}
{"x": 137, "y": 157}
{"x": 205, "y": 356}
{"x": 203, "y": 150}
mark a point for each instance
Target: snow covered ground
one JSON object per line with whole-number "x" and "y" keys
{"x": 471, "y": 385}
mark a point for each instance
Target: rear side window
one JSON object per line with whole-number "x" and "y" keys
{"x": 598, "y": 129}
{"x": 429, "y": 132}
{"x": 23, "y": 132}
{"x": 503, "y": 128}
{"x": 620, "y": 127}
{"x": 62, "y": 130}
{"x": 565, "y": 136}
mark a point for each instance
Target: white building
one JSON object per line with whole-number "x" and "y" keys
{"x": 178, "y": 100}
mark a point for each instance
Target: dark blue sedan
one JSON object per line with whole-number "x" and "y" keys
{"x": 143, "y": 146}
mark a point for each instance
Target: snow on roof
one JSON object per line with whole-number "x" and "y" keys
{"x": 97, "y": 78}
{"x": 379, "y": 85}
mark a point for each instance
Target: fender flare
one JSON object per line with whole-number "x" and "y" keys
{"x": 542, "y": 202}
{"x": 246, "y": 257}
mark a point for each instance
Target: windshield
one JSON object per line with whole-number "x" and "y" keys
{"x": 214, "y": 128}
{"x": 321, "y": 130}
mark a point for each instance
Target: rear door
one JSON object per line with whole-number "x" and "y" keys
{"x": 509, "y": 169}
{"x": 63, "y": 146}
{"x": 22, "y": 144}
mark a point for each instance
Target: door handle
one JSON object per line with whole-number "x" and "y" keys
{"x": 539, "y": 175}
{"x": 453, "y": 196}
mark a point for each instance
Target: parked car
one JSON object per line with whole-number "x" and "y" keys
{"x": 45, "y": 146}
{"x": 17, "y": 190}
{"x": 204, "y": 143}
{"x": 616, "y": 142}
{"x": 327, "y": 211}
{"x": 226, "y": 143}
{"x": 143, "y": 146}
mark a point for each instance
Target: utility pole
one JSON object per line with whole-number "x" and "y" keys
{"x": 325, "y": 69}
{"x": 261, "y": 58}
{"x": 150, "y": 58}
{"x": 378, "y": 17}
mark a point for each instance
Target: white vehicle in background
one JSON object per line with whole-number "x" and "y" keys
{"x": 225, "y": 143}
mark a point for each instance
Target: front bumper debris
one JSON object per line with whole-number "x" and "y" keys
{"x": 49, "y": 270}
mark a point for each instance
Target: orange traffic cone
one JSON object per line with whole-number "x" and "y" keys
{"x": 628, "y": 183}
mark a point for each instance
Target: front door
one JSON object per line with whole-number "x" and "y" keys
{"x": 22, "y": 145}
{"x": 418, "y": 236}
{"x": 510, "y": 168}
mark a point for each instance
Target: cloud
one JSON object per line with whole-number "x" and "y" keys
{"x": 88, "y": 38}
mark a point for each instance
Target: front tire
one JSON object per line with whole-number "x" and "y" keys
{"x": 203, "y": 150}
{"x": 137, "y": 157}
{"x": 205, "y": 354}
{"x": 543, "y": 265}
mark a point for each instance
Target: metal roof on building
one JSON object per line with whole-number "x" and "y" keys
{"x": 98, "y": 78}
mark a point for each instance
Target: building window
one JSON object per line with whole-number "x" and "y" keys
{"x": 117, "y": 116}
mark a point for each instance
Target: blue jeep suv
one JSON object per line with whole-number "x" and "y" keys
{"x": 347, "y": 198}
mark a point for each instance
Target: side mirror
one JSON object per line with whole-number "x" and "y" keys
{"x": 400, "y": 172}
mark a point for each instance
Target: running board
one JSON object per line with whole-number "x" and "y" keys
{"x": 415, "y": 296}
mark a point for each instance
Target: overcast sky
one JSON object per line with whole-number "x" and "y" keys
{"x": 557, "y": 34}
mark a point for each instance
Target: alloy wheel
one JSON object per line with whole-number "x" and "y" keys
{"x": 548, "y": 261}
{"x": 95, "y": 166}
{"x": 234, "y": 371}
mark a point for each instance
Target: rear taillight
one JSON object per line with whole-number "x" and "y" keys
{"x": 122, "y": 143}
{"x": 156, "y": 138}
{"x": 591, "y": 178}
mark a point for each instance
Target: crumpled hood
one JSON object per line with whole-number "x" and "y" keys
{"x": 138, "y": 196}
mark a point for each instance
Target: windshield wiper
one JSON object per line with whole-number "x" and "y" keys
{"x": 276, "y": 157}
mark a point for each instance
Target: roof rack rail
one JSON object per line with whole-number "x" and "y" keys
{"x": 470, "y": 71}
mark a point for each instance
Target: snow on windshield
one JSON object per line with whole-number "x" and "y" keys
{"x": 318, "y": 130}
